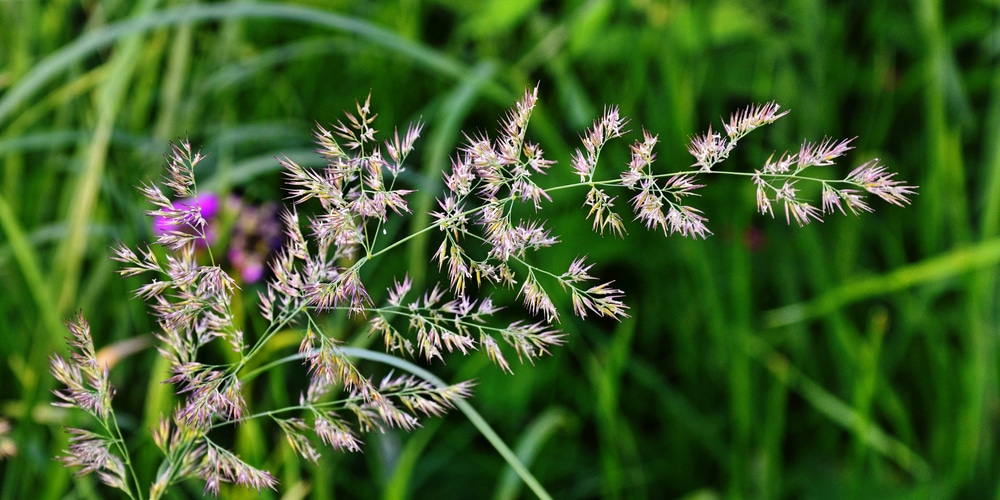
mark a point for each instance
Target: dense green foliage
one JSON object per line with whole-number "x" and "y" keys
{"x": 853, "y": 358}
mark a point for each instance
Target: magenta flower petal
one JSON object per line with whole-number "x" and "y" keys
{"x": 208, "y": 202}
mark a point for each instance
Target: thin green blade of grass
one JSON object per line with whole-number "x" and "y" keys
{"x": 960, "y": 261}
{"x": 678, "y": 409}
{"x": 273, "y": 59}
{"x": 865, "y": 388}
{"x": 945, "y": 220}
{"x": 773, "y": 436}
{"x": 398, "y": 485}
{"x": 29, "y": 367}
{"x": 24, "y": 255}
{"x": 50, "y": 139}
{"x": 944, "y": 202}
{"x": 178, "y": 66}
{"x": 728, "y": 326}
{"x": 61, "y": 61}
{"x": 982, "y": 313}
{"x": 250, "y": 168}
{"x": 735, "y": 306}
{"x": 990, "y": 197}
{"x": 622, "y": 474}
{"x": 57, "y": 139}
{"x": 837, "y": 410}
{"x": 108, "y": 101}
{"x": 474, "y": 417}
{"x": 532, "y": 440}
{"x": 49, "y": 107}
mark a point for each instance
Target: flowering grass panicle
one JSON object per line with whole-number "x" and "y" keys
{"x": 489, "y": 224}
{"x": 86, "y": 387}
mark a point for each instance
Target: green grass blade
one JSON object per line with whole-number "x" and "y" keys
{"x": 956, "y": 262}
{"x": 534, "y": 437}
{"x": 109, "y": 100}
{"x": 477, "y": 420}
{"x": 59, "y": 62}
{"x": 24, "y": 255}
{"x": 837, "y": 410}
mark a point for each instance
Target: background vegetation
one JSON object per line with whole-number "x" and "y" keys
{"x": 853, "y": 357}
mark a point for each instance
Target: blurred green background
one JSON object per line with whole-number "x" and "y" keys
{"x": 856, "y": 358}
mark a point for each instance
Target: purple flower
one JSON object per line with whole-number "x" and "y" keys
{"x": 255, "y": 235}
{"x": 203, "y": 207}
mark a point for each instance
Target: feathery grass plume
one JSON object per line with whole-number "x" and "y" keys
{"x": 776, "y": 182}
{"x": 221, "y": 465}
{"x": 490, "y": 223}
{"x": 91, "y": 452}
{"x": 87, "y": 388}
{"x": 487, "y": 183}
{"x": 184, "y": 450}
{"x": 661, "y": 204}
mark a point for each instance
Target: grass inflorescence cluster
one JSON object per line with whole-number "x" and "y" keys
{"x": 486, "y": 242}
